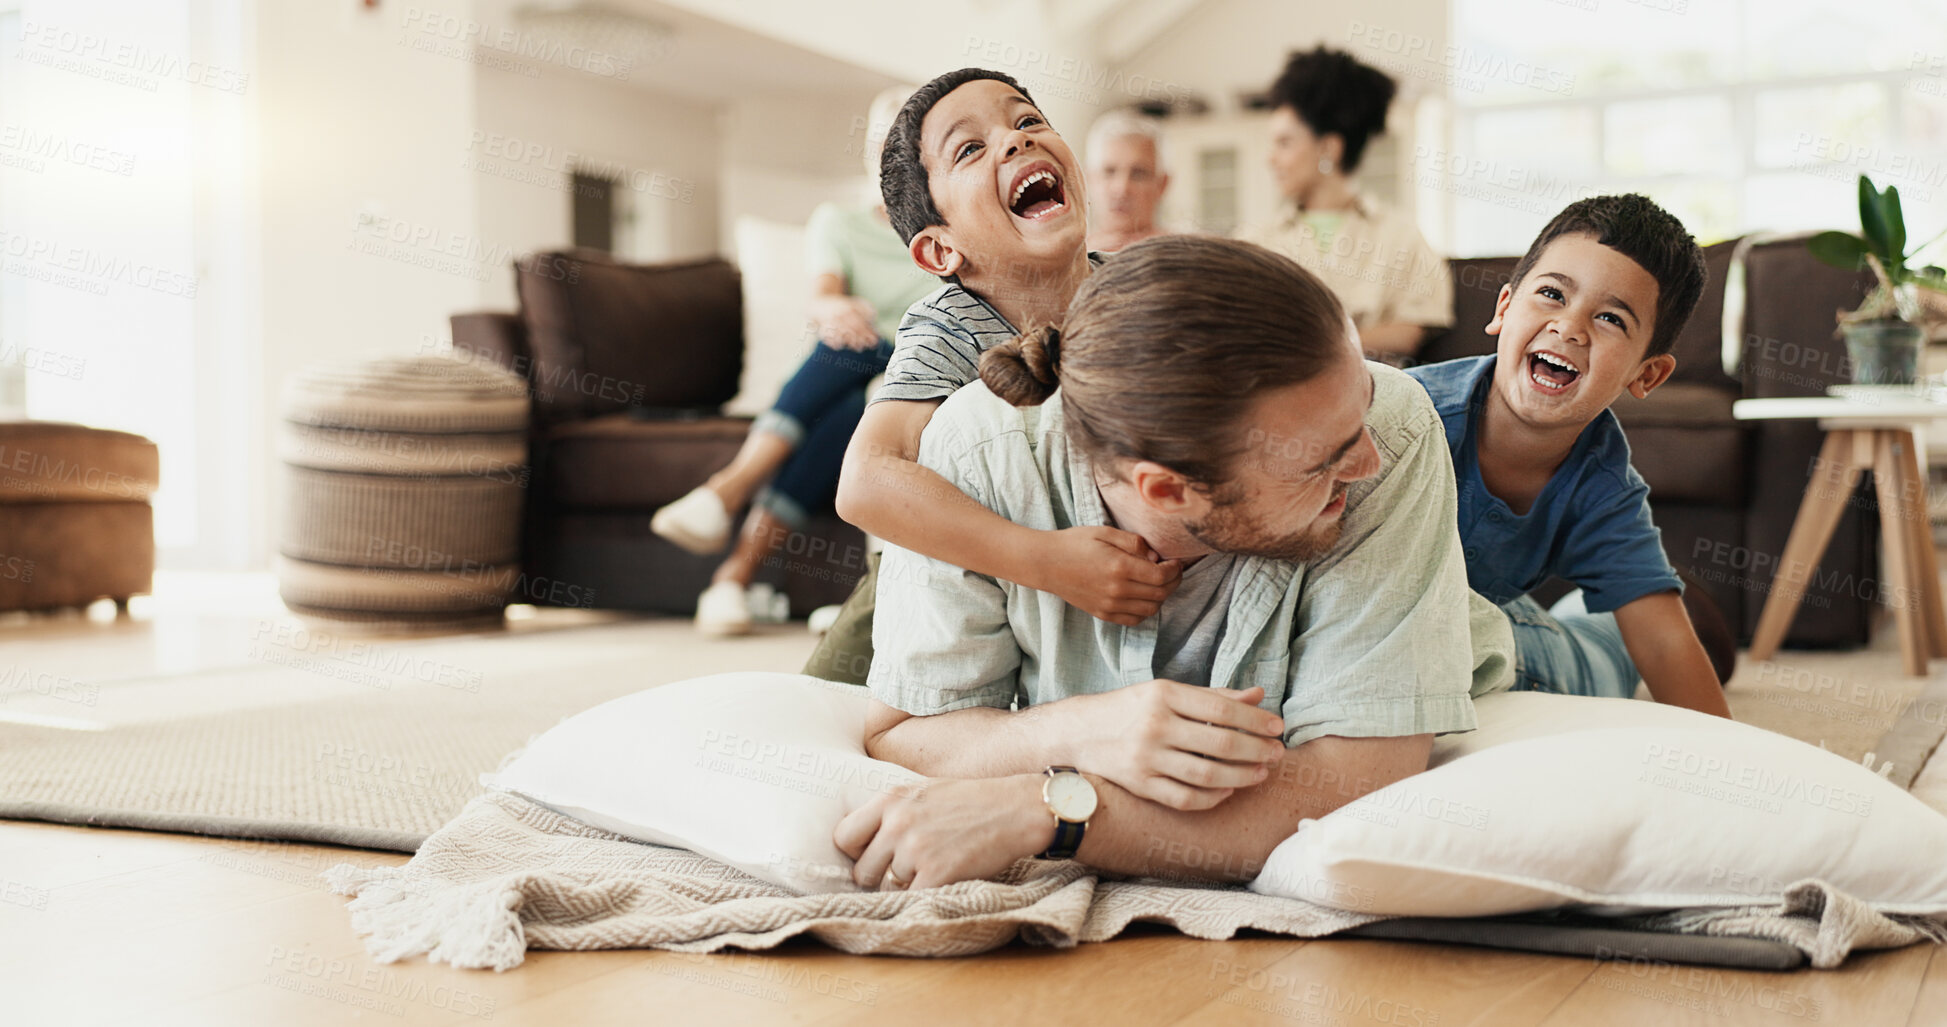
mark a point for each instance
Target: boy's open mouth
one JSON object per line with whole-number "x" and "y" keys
{"x": 1552, "y": 373}
{"x": 1037, "y": 192}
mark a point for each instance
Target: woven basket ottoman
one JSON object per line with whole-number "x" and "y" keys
{"x": 75, "y": 523}
{"x": 403, "y": 487}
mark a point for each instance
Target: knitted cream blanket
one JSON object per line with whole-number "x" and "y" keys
{"x": 507, "y": 874}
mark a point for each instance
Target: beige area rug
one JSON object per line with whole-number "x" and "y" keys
{"x": 1854, "y": 703}
{"x": 378, "y": 744}
{"x": 370, "y": 744}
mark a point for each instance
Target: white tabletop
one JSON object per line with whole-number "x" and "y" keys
{"x": 1846, "y": 412}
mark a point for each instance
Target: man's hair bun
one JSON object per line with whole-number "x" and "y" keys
{"x": 1026, "y": 370}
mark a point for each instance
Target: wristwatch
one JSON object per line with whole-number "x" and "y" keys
{"x": 1071, "y": 798}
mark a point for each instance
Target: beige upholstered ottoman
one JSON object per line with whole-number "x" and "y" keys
{"x": 402, "y": 502}
{"x": 75, "y": 523}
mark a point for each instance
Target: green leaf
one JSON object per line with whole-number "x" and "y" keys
{"x": 1872, "y": 220}
{"x": 1839, "y": 249}
{"x": 1889, "y": 207}
{"x": 1931, "y": 277}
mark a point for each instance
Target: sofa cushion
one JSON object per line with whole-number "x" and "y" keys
{"x": 1477, "y": 284}
{"x": 607, "y": 336}
{"x": 1699, "y": 348}
{"x": 54, "y": 462}
{"x": 1791, "y": 308}
{"x": 620, "y": 462}
{"x": 1685, "y": 444}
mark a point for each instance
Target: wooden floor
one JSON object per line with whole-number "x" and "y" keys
{"x": 129, "y": 927}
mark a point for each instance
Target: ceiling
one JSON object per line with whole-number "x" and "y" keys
{"x": 674, "y": 51}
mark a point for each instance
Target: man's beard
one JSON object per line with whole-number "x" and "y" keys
{"x": 1228, "y": 529}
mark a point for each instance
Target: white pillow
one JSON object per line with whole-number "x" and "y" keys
{"x": 1621, "y": 806}
{"x": 751, "y": 769}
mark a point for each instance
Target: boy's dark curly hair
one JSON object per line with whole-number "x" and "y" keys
{"x": 902, "y": 177}
{"x": 1634, "y": 226}
{"x": 1334, "y": 94}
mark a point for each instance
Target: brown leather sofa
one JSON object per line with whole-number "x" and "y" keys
{"x": 1724, "y": 492}
{"x": 630, "y": 366}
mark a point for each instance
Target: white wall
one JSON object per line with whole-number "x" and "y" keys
{"x": 361, "y": 189}
{"x": 784, "y": 155}
{"x": 529, "y": 132}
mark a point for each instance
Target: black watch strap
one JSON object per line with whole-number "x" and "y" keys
{"x": 1068, "y": 833}
{"x": 1068, "y": 839}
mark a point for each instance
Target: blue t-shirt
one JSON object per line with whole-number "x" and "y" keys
{"x": 1590, "y": 525}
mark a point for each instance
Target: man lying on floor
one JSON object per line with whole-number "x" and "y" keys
{"x": 1213, "y": 401}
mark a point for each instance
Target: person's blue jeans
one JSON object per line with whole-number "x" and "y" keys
{"x": 1568, "y": 650}
{"x": 817, "y": 411}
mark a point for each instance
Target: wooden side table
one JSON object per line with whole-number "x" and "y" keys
{"x": 1862, "y": 434}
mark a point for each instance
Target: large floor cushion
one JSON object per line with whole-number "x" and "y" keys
{"x": 403, "y": 490}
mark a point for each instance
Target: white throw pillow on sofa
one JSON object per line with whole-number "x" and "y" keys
{"x": 751, "y": 769}
{"x": 1617, "y": 805}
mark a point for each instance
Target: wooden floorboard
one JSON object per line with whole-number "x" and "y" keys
{"x": 1357, "y": 981}
{"x": 1873, "y": 989}
{"x": 1930, "y": 1003}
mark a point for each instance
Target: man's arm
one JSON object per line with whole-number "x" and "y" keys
{"x": 1660, "y": 639}
{"x": 956, "y": 830}
{"x": 1130, "y": 835}
{"x": 1168, "y": 742}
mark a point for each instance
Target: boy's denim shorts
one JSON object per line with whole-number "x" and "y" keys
{"x": 1568, "y": 650}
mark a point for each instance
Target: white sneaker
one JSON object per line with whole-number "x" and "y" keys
{"x": 767, "y": 605}
{"x": 697, "y": 522}
{"x": 722, "y": 609}
{"x": 823, "y": 618}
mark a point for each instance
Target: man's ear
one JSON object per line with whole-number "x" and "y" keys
{"x": 934, "y": 252}
{"x": 1162, "y": 184}
{"x": 1164, "y": 490}
{"x": 1501, "y": 308}
{"x": 1654, "y": 372}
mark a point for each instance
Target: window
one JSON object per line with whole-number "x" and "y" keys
{"x": 1217, "y": 191}
{"x": 1737, "y": 115}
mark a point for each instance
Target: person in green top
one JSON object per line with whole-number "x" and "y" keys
{"x": 787, "y": 469}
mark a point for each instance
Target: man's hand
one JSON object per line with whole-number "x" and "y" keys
{"x": 1105, "y": 572}
{"x": 844, "y": 322}
{"x": 943, "y": 830}
{"x": 1184, "y": 747}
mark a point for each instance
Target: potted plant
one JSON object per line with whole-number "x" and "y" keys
{"x": 1885, "y": 334}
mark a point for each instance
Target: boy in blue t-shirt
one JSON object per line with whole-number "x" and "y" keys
{"x": 1545, "y": 486}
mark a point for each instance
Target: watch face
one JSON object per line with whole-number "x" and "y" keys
{"x": 1071, "y": 796}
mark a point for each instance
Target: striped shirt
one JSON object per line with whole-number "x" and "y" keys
{"x": 940, "y": 342}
